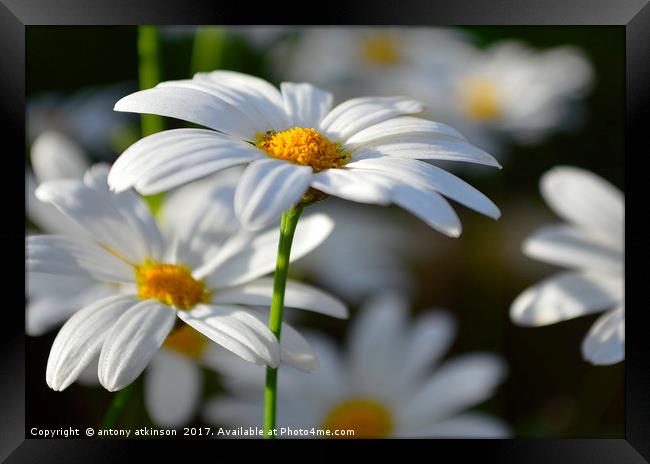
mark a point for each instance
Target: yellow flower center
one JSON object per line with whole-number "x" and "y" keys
{"x": 481, "y": 99}
{"x": 368, "y": 419}
{"x": 304, "y": 146}
{"x": 171, "y": 284}
{"x": 187, "y": 342}
{"x": 381, "y": 49}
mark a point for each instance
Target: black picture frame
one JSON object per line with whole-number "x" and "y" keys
{"x": 632, "y": 15}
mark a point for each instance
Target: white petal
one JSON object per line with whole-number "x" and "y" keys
{"x": 132, "y": 208}
{"x": 432, "y": 208}
{"x": 586, "y": 200}
{"x": 605, "y": 342}
{"x": 55, "y": 156}
{"x": 566, "y": 296}
{"x": 133, "y": 340}
{"x": 429, "y": 177}
{"x": 171, "y": 158}
{"x": 190, "y": 105}
{"x": 55, "y": 254}
{"x": 430, "y": 339}
{"x": 297, "y": 295}
{"x": 237, "y": 330}
{"x": 101, "y": 215}
{"x": 52, "y": 299}
{"x": 246, "y": 257}
{"x": 376, "y": 343}
{"x": 260, "y": 93}
{"x": 354, "y": 185}
{"x": 81, "y": 338}
{"x": 172, "y": 389}
{"x": 468, "y": 425}
{"x": 572, "y": 247}
{"x": 355, "y": 115}
{"x": 294, "y": 349}
{"x": 305, "y": 104}
{"x": 424, "y": 147}
{"x": 457, "y": 385}
{"x": 267, "y": 189}
{"x": 403, "y": 126}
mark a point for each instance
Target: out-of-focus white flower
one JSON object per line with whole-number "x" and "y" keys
{"x": 508, "y": 90}
{"x": 383, "y": 388}
{"x": 157, "y": 280}
{"x": 366, "y": 149}
{"x": 370, "y": 249}
{"x": 351, "y": 61}
{"x": 592, "y": 246}
{"x": 86, "y": 116}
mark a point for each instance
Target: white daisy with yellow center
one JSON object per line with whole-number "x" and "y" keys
{"x": 297, "y": 148}
{"x": 164, "y": 279}
{"x": 384, "y": 387}
{"x": 592, "y": 245}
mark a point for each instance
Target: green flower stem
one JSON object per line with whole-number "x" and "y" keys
{"x": 287, "y": 230}
{"x": 149, "y": 72}
{"x": 209, "y": 43}
{"x": 120, "y": 400}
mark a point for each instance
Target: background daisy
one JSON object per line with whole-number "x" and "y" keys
{"x": 384, "y": 386}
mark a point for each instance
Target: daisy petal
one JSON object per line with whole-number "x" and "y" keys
{"x": 133, "y": 340}
{"x": 101, "y": 216}
{"x": 244, "y": 259}
{"x": 172, "y": 389}
{"x": 52, "y": 299}
{"x": 403, "y": 126}
{"x": 190, "y": 105}
{"x": 267, "y": 189}
{"x": 605, "y": 342}
{"x": 297, "y": 295}
{"x": 572, "y": 247}
{"x": 458, "y": 384}
{"x": 305, "y": 104}
{"x": 586, "y": 200}
{"x": 354, "y": 115}
{"x": 424, "y": 147}
{"x": 171, "y": 158}
{"x": 237, "y": 330}
{"x": 54, "y": 156}
{"x": 429, "y": 177}
{"x": 566, "y": 296}
{"x": 432, "y": 208}
{"x": 81, "y": 338}
{"x": 56, "y": 254}
{"x": 353, "y": 185}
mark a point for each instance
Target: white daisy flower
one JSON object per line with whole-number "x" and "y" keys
{"x": 157, "y": 280}
{"x": 354, "y": 60}
{"x": 592, "y": 246}
{"x": 382, "y": 388}
{"x": 364, "y": 150}
{"x": 506, "y": 90}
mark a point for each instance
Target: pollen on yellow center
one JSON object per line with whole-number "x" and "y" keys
{"x": 171, "y": 284}
{"x": 304, "y": 146}
{"x": 368, "y": 419}
{"x": 187, "y": 342}
{"x": 481, "y": 99}
{"x": 381, "y": 49}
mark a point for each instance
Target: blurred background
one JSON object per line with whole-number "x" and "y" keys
{"x": 76, "y": 74}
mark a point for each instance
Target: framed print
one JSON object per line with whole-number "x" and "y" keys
{"x": 403, "y": 223}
